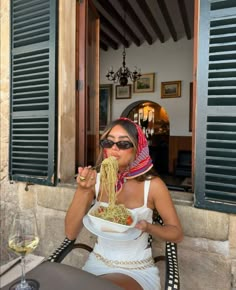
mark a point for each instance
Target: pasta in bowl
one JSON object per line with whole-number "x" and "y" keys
{"x": 118, "y": 220}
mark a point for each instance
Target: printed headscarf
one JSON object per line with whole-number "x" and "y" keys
{"x": 142, "y": 162}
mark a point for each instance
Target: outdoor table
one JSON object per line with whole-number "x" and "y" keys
{"x": 51, "y": 276}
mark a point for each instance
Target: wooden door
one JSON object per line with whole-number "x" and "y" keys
{"x": 87, "y": 80}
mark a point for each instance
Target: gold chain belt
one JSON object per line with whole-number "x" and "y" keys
{"x": 135, "y": 265}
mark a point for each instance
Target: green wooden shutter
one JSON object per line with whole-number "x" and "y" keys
{"x": 33, "y": 124}
{"x": 215, "y": 167}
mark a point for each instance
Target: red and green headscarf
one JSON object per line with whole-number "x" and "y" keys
{"x": 142, "y": 162}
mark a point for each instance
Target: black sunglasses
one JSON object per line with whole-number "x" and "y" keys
{"x": 106, "y": 143}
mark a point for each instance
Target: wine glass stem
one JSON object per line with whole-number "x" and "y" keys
{"x": 23, "y": 281}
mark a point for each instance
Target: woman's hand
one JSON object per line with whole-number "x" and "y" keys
{"x": 142, "y": 226}
{"x": 86, "y": 178}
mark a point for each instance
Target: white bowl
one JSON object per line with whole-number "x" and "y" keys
{"x": 107, "y": 226}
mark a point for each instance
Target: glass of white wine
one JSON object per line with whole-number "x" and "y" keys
{"x": 23, "y": 239}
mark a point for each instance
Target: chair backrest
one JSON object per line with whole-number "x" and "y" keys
{"x": 184, "y": 158}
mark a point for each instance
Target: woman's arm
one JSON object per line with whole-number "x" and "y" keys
{"x": 172, "y": 229}
{"x": 81, "y": 202}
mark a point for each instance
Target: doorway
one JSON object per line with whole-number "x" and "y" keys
{"x": 154, "y": 121}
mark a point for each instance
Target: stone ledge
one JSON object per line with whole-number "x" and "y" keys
{"x": 205, "y": 246}
{"x": 54, "y": 197}
{"x": 182, "y": 198}
{"x": 196, "y": 222}
{"x": 58, "y": 198}
{"x": 201, "y": 223}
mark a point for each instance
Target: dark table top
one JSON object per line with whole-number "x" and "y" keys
{"x": 53, "y": 276}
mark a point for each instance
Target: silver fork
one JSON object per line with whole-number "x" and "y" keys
{"x": 93, "y": 167}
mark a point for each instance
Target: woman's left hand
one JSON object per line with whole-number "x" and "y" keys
{"x": 142, "y": 225}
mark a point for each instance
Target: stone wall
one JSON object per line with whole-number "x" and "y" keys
{"x": 206, "y": 255}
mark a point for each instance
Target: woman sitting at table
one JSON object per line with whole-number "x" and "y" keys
{"x": 128, "y": 264}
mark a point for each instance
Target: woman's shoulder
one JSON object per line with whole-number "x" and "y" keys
{"x": 158, "y": 187}
{"x": 157, "y": 181}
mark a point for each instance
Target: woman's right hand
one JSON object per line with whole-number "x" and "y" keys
{"x": 86, "y": 177}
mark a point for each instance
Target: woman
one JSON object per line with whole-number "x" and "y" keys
{"x": 140, "y": 190}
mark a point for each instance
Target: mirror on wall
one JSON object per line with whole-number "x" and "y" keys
{"x": 154, "y": 121}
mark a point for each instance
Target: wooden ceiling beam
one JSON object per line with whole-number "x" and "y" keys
{"x": 148, "y": 14}
{"x": 167, "y": 18}
{"x": 105, "y": 23}
{"x": 184, "y": 15}
{"x": 103, "y": 45}
{"x": 107, "y": 39}
{"x": 131, "y": 13}
{"x": 106, "y": 5}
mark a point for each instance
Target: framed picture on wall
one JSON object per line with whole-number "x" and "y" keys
{"x": 145, "y": 84}
{"x": 105, "y": 101}
{"x": 123, "y": 92}
{"x": 171, "y": 89}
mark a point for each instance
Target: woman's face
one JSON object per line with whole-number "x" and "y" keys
{"x": 124, "y": 156}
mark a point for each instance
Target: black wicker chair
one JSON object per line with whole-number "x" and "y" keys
{"x": 172, "y": 281}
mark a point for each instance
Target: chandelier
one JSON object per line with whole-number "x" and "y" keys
{"x": 124, "y": 73}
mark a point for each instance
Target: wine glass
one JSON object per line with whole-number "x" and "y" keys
{"x": 23, "y": 239}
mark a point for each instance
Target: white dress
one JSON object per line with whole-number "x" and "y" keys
{"x": 132, "y": 258}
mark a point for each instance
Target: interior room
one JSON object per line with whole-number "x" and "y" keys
{"x": 167, "y": 62}
{"x": 169, "y": 117}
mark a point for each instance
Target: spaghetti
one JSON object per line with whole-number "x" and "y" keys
{"x": 108, "y": 175}
{"x": 117, "y": 213}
